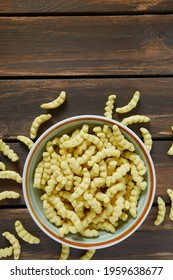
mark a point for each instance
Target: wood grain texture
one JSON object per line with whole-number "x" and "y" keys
{"x": 154, "y": 242}
{"x": 87, "y": 6}
{"x": 20, "y": 102}
{"x": 84, "y": 45}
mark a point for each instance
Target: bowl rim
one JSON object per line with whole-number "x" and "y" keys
{"x": 102, "y": 244}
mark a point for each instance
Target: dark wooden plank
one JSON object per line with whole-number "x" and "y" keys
{"x": 163, "y": 165}
{"x": 20, "y": 102}
{"x": 87, "y": 6}
{"x": 84, "y": 45}
{"x": 153, "y": 242}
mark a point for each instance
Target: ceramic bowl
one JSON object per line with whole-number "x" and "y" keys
{"x": 32, "y": 195}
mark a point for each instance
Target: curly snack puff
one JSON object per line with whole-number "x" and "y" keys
{"x": 161, "y": 211}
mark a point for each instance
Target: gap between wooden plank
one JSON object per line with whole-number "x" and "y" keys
{"x": 169, "y": 138}
{"x": 23, "y": 206}
{"x": 83, "y": 14}
{"x": 84, "y": 77}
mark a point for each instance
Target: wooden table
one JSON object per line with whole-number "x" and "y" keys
{"x": 90, "y": 49}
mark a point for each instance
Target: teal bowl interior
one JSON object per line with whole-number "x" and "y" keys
{"x": 32, "y": 195}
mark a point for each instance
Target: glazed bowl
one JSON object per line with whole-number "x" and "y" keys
{"x": 32, "y": 195}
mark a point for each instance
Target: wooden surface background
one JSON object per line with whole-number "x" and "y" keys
{"x": 90, "y": 49}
